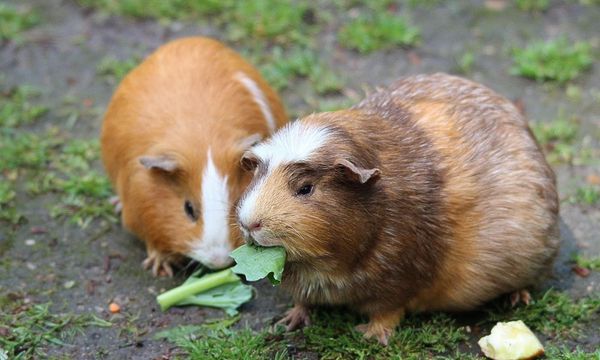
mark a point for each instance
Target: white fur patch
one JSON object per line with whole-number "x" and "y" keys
{"x": 259, "y": 98}
{"x": 245, "y": 211}
{"x": 213, "y": 248}
{"x": 294, "y": 143}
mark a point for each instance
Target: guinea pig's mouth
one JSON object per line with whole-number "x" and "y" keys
{"x": 260, "y": 238}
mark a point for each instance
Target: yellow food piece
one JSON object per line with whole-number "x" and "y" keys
{"x": 511, "y": 341}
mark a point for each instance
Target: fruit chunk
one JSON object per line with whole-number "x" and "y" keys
{"x": 511, "y": 340}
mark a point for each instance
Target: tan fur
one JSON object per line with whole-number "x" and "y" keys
{"x": 181, "y": 101}
{"x": 463, "y": 208}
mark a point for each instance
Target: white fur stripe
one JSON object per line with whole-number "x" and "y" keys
{"x": 213, "y": 249}
{"x": 296, "y": 142}
{"x": 248, "y": 203}
{"x": 259, "y": 98}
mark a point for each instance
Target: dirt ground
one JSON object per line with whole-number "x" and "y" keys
{"x": 83, "y": 270}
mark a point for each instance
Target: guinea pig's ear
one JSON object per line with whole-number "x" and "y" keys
{"x": 249, "y": 161}
{"x": 356, "y": 173}
{"x": 160, "y": 162}
{"x": 249, "y": 141}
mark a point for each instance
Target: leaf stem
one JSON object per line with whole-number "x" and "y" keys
{"x": 173, "y": 296}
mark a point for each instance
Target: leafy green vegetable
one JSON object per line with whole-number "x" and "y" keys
{"x": 256, "y": 262}
{"x": 222, "y": 289}
{"x": 227, "y": 297}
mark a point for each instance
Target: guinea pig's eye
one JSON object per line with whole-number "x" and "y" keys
{"x": 305, "y": 190}
{"x": 189, "y": 210}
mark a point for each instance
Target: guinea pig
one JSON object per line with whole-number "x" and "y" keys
{"x": 172, "y": 138}
{"x": 429, "y": 195}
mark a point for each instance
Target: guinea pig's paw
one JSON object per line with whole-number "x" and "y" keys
{"x": 520, "y": 296}
{"x": 116, "y": 202}
{"x": 375, "y": 330}
{"x": 296, "y": 318}
{"x": 381, "y": 325}
{"x": 159, "y": 263}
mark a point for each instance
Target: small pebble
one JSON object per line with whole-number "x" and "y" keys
{"x": 69, "y": 284}
{"x": 30, "y": 242}
{"x": 31, "y": 266}
{"x": 489, "y": 50}
{"x": 38, "y": 230}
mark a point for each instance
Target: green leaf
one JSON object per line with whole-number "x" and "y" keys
{"x": 257, "y": 262}
{"x": 227, "y": 297}
{"x": 194, "y": 286}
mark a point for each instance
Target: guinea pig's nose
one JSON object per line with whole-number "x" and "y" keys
{"x": 255, "y": 226}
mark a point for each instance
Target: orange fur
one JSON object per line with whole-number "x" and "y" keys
{"x": 181, "y": 101}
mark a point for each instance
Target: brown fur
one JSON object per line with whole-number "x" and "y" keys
{"x": 181, "y": 101}
{"x": 464, "y": 209}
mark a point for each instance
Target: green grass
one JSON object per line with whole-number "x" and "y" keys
{"x": 47, "y": 162}
{"x": 278, "y": 21}
{"x": 377, "y": 31}
{"x": 17, "y": 107}
{"x": 554, "y": 60}
{"x": 565, "y": 353}
{"x": 15, "y": 20}
{"x": 50, "y": 164}
{"x": 464, "y": 64}
{"x": 228, "y": 344}
{"x": 31, "y": 328}
{"x": 281, "y": 68}
{"x": 215, "y": 340}
{"x": 533, "y": 5}
{"x": 281, "y": 21}
{"x": 332, "y": 336}
{"x": 84, "y": 192}
{"x": 586, "y": 262}
{"x": 557, "y": 138}
{"x": 8, "y": 210}
{"x": 552, "y": 313}
{"x": 158, "y": 9}
{"x": 587, "y": 195}
{"x": 114, "y": 70}
{"x": 24, "y": 150}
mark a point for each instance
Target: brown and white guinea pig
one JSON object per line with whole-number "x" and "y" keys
{"x": 172, "y": 138}
{"x": 429, "y": 195}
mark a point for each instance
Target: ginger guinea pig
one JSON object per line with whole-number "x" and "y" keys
{"x": 429, "y": 195}
{"x": 172, "y": 138}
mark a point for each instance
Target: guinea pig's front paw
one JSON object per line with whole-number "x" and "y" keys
{"x": 375, "y": 331}
{"x": 520, "y": 296}
{"x": 296, "y": 318}
{"x": 116, "y": 202}
{"x": 159, "y": 263}
{"x": 381, "y": 326}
